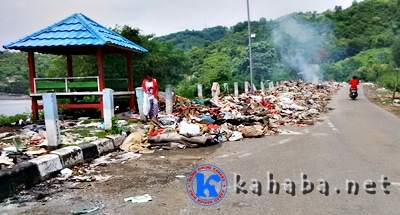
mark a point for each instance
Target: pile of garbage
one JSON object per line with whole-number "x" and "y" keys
{"x": 30, "y": 140}
{"x": 197, "y": 123}
{"x": 193, "y": 123}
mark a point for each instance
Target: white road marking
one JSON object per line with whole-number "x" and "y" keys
{"x": 230, "y": 154}
{"x": 284, "y": 141}
{"x": 396, "y": 184}
{"x": 289, "y": 132}
{"x": 319, "y": 134}
{"x": 244, "y": 155}
{"x": 332, "y": 126}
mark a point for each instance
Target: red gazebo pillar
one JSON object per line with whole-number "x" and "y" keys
{"x": 100, "y": 71}
{"x": 70, "y": 73}
{"x": 128, "y": 56}
{"x": 32, "y": 75}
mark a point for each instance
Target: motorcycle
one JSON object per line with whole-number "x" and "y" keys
{"x": 353, "y": 93}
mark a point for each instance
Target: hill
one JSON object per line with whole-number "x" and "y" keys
{"x": 332, "y": 45}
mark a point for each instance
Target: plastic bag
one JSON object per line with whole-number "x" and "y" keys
{"x": 189, "y": 130}
{"x": 236, "y": 136}
{"x": 146, "y": 104}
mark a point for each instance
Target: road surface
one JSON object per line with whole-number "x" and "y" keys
{"x": 355, "y": 142}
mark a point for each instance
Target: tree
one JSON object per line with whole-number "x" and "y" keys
{"x": 396, "y": 57}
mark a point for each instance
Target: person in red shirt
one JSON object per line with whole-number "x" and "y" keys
{"x": 354, "y": 82}
{"x": 150, "y": 88}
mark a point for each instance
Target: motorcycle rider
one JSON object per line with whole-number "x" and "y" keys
{"x": 353, "y": 83}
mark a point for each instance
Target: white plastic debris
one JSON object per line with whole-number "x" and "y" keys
{"x": 65, "y": 174}
{"x": 236, "y": 135}
{"x": 187, "y": 129}
{"x": 139, "y": 199}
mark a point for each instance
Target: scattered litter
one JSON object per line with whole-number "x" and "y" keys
{"x": 83, "y": 178}
{"x": 180, "y": 176}
{"x": 65, "y": 174}
{"x": 139, "y": 198}
{"x": 115, "y": 157}
{"x": 36, "y": 151}
{"x": 6, "y": 161}
{"x": 85, "y": 211}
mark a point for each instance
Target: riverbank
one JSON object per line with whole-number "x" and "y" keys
{"x": 11, "y": 107}
{"x": 5, "y": 96}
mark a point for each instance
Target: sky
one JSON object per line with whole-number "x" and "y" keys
{"x": 19, "y": 18}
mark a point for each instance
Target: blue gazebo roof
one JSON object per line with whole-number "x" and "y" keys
{"x": 76, "y": 34}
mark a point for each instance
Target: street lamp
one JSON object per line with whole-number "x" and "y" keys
{"x": 250, "y": 58}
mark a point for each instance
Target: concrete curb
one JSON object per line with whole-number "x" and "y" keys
{"x": 104, "y": 145}
{"x": 89, "y": 151}
{"x": 28, "y": 173}
{"x": 5, "y": 184}
{"x": 70, "y": 155}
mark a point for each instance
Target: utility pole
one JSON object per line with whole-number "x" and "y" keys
{"x": 396, "y": 84}
{"x": 380, "y": 56}
{"x": 250, "y": 57}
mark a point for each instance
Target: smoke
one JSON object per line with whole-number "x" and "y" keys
{"x": 300, "y": 46}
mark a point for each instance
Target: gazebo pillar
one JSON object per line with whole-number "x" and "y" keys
{"x": 70, "y": 73}
{"x": 100, "y": 72}
{"x": 32, "y": 75}
{"x": 128, "y": 56}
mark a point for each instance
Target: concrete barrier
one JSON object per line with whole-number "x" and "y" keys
{"x": 5, "y": 185}
{"x": 70, "y": 155}
{"x": 48, "y": 165}
{"x": 89, "y": 151}
{"x": 104, "y": 145}
{"x": 117, "y": 140}
{"x": 23, "y": 175}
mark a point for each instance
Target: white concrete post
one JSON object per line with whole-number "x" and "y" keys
{"x": 139, "y": 98}
{"x": 108, "y": 107}
{"x": 236, "y": 89}
{"x": 226, "y": 88}
{"x": 215, "y": 91}
{"x": 51, "y": 120}
{"x": 262, "y": 86}
{"x": 168, "y": 99}
{"x": 200, "y": 91}
{"x": 246, "y": 87}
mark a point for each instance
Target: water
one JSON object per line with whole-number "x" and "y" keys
{"x": 12, "y": 107}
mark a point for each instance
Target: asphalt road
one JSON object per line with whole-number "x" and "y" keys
{"x": 356, "y": 141}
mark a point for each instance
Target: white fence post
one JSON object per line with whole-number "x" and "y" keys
{"x": 108, "y": 107}
{"x": 51, "y": 120}
{"x": 168, "y": 99}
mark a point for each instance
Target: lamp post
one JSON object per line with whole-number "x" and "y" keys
{"x": 250, "y": 57}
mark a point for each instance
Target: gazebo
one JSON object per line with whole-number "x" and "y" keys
{"x": 77, "y": 35}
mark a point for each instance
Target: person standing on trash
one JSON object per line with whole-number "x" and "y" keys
{"x": 354, "y": 83}
{"x": 150, "y": 89}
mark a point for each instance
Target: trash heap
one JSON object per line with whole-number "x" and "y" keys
{"x": 197, "y": 123}
{"x": 193, "y": 123}
{"x": 30, "y": 141}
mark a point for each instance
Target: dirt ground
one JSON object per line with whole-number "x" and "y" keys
{"x": 151, "y": 173}
{"x": 382, "y": 98}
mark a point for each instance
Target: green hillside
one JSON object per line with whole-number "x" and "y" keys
{"x": 333, "y": 45}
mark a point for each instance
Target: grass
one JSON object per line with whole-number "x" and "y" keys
{"x": 8, "y": 120}
{"x": 86, "y": 132}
